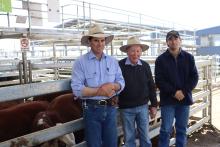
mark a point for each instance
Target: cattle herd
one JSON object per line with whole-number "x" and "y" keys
{"x": 18, "y": 118}
{"x": 21, "y": 117}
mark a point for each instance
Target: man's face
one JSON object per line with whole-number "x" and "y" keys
{"x": 134, "y": 52}
{"x": 174, "y": 43}
{"x": 97, "y": 45}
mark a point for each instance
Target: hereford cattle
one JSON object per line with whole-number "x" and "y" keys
{"x": 4, "y": 105}
{"x": 45, "y": 97}
{"x": 16, "y": 120}
{"x": 62, "y": 109}
{"x": 45, "y": 119}
{"x": 67, "y": 107}
{"x": 49, "y": 97}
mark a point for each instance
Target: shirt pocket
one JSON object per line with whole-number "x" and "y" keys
{"x": 110, "y": 75}
{"x": 90, "y": 79}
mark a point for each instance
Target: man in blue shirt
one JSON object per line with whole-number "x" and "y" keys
{"x": 175, "y": 76}
{"x": 96, "y": 80}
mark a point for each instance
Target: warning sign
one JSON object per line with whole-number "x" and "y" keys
{"x": 24, "y": 43}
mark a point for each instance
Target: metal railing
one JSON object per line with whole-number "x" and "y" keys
{"x": 75, "y": 18}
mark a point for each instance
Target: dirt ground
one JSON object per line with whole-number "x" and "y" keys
{"x": 207, "y": 136}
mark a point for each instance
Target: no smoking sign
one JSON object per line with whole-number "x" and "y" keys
{"x": 24, "y": 43}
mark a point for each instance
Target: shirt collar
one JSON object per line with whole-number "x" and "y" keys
{"x": 91, "y": 55}
{"x": 128, "y": 62}
{"x": 169, "y": 54}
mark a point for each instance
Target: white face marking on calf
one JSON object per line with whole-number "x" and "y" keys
{"x": 40, "y": 121}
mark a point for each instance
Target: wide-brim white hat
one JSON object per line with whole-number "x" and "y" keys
{"x": 96, "y": 30}
{"x": 133, "y": 41}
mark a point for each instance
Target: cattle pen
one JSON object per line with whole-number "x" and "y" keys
{"x": 201, "y": 110}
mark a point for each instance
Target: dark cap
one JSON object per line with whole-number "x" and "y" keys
{"x": 172, "y": 33}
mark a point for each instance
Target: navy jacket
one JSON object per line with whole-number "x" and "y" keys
{"x": 175, "y": 74}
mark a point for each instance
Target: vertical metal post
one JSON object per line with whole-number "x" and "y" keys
{"x": 62, "y": 17}
{"x": 210, "y": 90}
{"x": 8, "y": 17}
{"x": 24, "y": 60}
{"x": 77, "y": 15}
{"x": 29, "y": 18}
{"x": 90, "y": 14}
{"x": 159, "y": 48}
{"x": 194, "y": 38}
{"x": 65, "y": 50}
{"x": 112, "y": 49}
{"x": 55, "y": 61}
{"x": 128, "y": 25}
{"x": 205, "y": 99}
{"x": 84, "y": 17}
{"x": 32, "y": 50}
{"x": 140, "y": 22}
{"x": 20, "y": 72}
{"x": 30, "y": 71}
{"x": 54, "y": 50}
{"x": 140, "y": 18}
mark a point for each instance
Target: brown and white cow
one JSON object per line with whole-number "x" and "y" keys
{"x": 62, "y": 109}
{"x": 16, "y": 120}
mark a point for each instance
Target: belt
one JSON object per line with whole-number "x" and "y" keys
{"x": 102, "y": 102}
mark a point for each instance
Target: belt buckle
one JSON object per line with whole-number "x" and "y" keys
{"x": 102, "y": 102}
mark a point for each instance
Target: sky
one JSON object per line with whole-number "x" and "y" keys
{"x": 198, "y": 14}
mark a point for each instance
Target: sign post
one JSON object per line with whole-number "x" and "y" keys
{"x": 24, "y": 43}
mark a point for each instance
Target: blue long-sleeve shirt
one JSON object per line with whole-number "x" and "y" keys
{"x": 88, "y": 71}
{"x": 175, "y": 74}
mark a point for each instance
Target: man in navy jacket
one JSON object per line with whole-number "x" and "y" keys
{"x": 175, "y": 76}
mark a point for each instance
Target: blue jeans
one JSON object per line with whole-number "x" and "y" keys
{"x": 140, "y": 116}
{"x": 181, "y": 115}
{"x": 100, "y": 125}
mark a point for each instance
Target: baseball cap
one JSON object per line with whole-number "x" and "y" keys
{"x": 172, "y": 33}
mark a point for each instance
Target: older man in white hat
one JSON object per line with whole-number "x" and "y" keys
{"x": 139, "y": 89}
{"x": 96, "y": 80}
